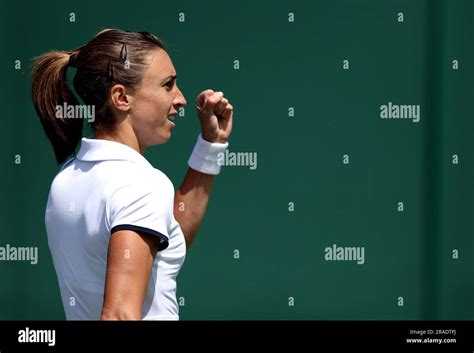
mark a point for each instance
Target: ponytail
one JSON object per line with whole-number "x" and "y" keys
{"x": 50, "y": 90}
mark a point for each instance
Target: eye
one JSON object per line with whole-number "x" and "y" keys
{"x": 169, "y": 85}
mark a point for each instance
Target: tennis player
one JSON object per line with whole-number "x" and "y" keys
{"x": 117, "y": 231}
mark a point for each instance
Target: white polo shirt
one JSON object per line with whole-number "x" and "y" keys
{"x": 107, "y": 187}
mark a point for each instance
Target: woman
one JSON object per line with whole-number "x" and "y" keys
{"x": 117, "y": 231}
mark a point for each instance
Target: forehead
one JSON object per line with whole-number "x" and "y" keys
{"x": 161, "y": 65}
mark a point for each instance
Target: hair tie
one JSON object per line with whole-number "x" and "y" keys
{"x": 73, "y": 60}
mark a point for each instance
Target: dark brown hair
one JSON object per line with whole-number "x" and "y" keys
{"x": 112, "y": 56}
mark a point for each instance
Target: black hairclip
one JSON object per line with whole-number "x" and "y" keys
{"x": 123, "y": 54}
{"x": 72, "y": 60}
{"x": 110, "y": 71}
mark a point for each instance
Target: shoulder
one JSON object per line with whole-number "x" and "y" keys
{"x": 131, "y": 178}
{"x": 140, "y": 196}
{"x": 130, "y": 173}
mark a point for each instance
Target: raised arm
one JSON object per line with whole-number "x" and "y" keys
{"x": 190, "y": 203}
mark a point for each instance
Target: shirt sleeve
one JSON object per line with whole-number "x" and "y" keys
{"x": 141, "y": 209}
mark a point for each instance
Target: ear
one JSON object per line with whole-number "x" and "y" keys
{"x": 120, "y": 99}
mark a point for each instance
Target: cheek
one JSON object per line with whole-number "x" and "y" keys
{"x": 151, "y": 107}
{"x": 159, "y": 103}
{"x": 163, "y": 107}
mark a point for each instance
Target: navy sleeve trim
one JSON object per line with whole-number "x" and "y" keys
{"x": 163, "y": 238}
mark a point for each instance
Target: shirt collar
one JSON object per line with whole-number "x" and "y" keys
{"x": 94, "y": 150}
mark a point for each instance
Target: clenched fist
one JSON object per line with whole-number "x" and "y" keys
{"x": 215, "y": 115}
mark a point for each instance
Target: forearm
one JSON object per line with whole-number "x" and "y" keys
{"x": 120, "y": 314}
{"x": 191, "y": 201}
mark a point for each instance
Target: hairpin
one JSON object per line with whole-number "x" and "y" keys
{"x": 110, "y": 71}
{"x": 123, "y": 54}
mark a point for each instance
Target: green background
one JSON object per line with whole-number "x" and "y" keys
{"x": 300, "y": 159}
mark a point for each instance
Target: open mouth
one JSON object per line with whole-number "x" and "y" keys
{"x": 171, "y": 118}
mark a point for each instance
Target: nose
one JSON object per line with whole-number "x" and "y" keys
{"x": 179, "y": 100}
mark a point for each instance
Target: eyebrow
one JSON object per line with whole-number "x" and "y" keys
{"x": 171, "y": 76}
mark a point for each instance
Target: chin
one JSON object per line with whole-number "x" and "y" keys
{"x": 165, "y": 137}
{"x": 159, "y": 139}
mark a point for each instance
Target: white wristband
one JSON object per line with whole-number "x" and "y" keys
{"x": 205, "y": 156}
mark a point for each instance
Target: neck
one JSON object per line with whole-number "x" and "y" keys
{"x": 121, "y": 135}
